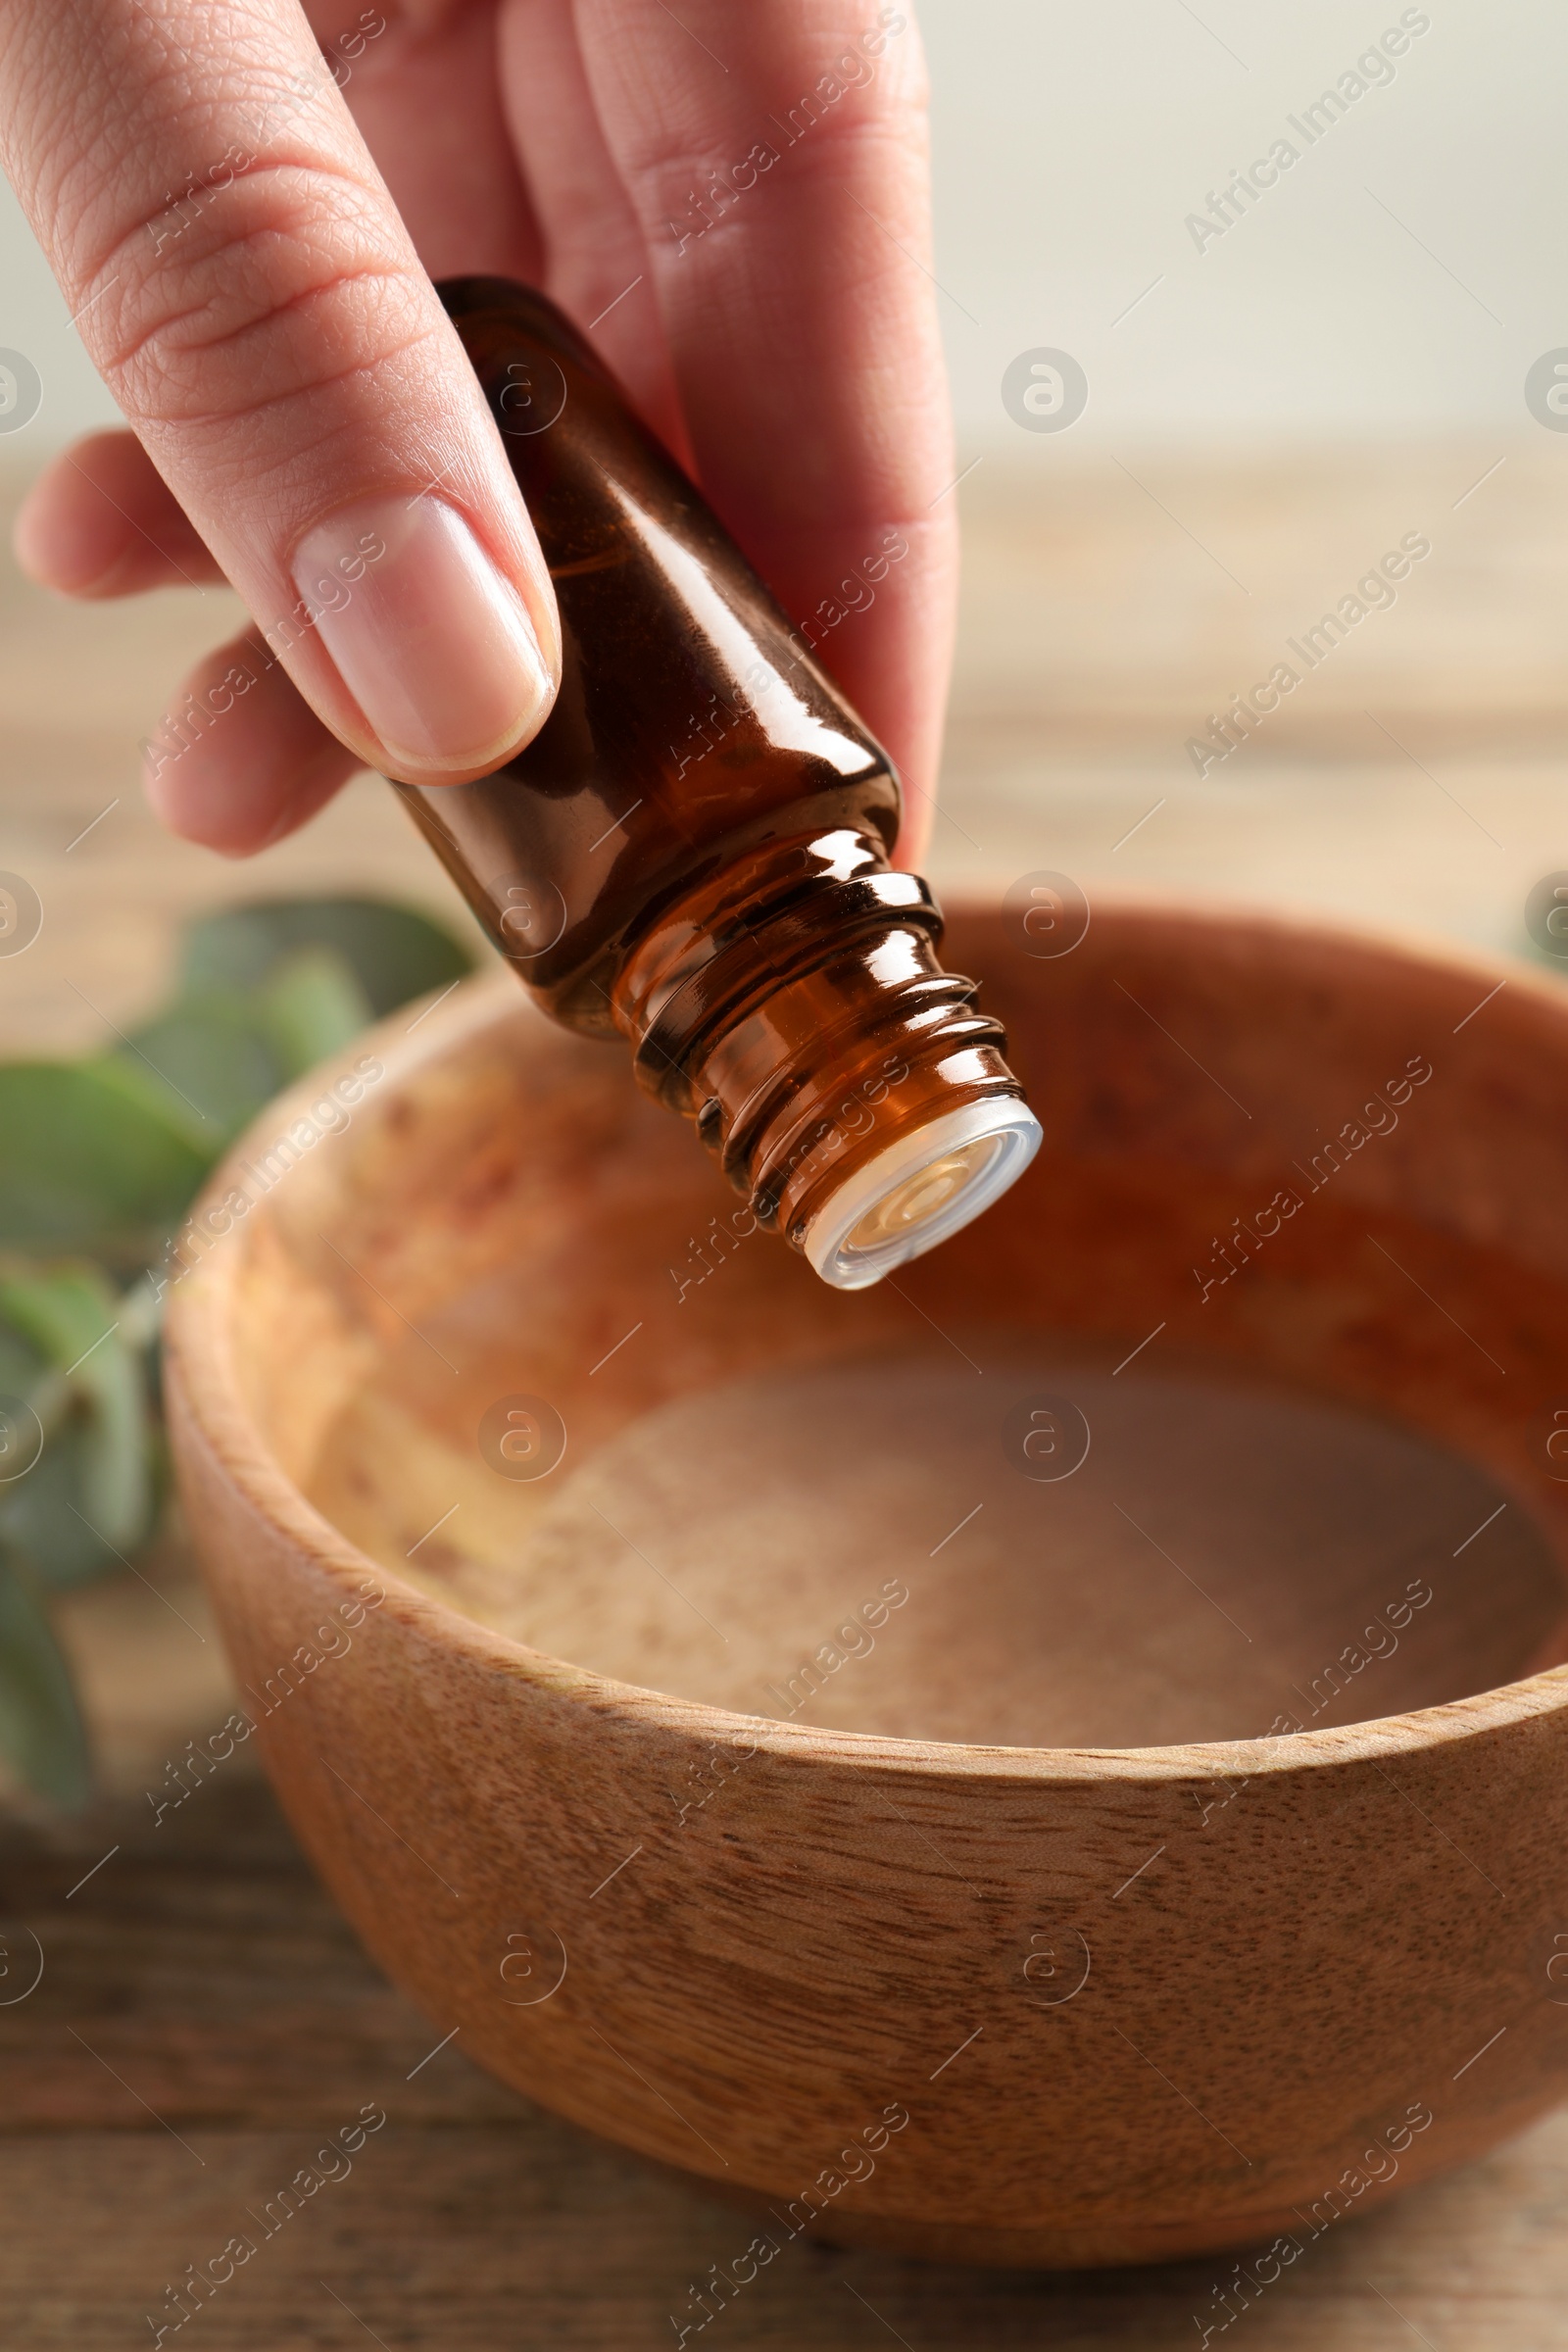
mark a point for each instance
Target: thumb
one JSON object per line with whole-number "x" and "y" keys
{"x": 246, "y": 289}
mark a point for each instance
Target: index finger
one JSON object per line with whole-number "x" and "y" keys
{"x": 244, "y": 284}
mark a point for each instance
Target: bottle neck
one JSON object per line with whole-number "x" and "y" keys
{"x": 792, "y": 1005}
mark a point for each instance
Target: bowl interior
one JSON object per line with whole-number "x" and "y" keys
{"x": 510, "y": 1335}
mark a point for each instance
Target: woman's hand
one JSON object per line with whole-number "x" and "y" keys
{"x": 245, "y": 208}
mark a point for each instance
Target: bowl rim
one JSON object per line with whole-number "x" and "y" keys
{"x": 207, "y": 1408}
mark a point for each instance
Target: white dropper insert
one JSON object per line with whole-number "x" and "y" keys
{"x": 926, "y": 1187}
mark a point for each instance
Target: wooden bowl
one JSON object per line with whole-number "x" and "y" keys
{"x": 937, "y": 1836}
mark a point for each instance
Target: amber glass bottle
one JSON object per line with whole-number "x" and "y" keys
{"x": 694, "y": 852}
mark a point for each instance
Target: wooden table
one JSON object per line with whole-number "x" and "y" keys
{"x": 204, "y": 2021}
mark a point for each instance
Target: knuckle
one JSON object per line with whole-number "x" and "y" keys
{"x": 283, "y": 281}
{"x": 877, "y": 149}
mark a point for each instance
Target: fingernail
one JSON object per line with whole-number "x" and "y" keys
{"x": 433, "y": 643}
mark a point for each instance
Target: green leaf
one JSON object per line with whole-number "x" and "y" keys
{"x": 41, "y": 1733}
{"x": 95, "y": 1470}
{"x": 42, "y": 1518}
{"x": 101, "y": 1159}
{"x": 19, "y": 1363}
{"x": 215, "y": 1054}
{"x": 313, "y": 1005}
{"x": 393, "y": 951}
{"x": 94, "y": 1157}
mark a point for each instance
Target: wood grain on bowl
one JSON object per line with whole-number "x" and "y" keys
{"x": 1056, "y": 1999}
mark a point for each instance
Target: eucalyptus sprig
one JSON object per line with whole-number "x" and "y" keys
{"x": 99, "y": 1161}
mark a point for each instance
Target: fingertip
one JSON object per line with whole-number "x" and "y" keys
{"x": 240, "y": 760}
{"x": 237, "y": 817}
{"x": 34, "y": 541}
{"x": 100, "y": 521}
